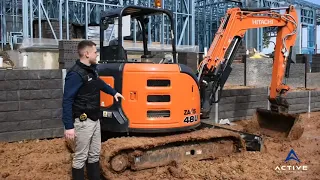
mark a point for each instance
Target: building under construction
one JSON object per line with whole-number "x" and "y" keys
{"x": 36, "y": 23}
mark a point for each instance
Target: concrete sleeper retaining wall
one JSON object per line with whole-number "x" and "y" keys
{"x": 239, "y": 104}
{"x": 31, "y": 104}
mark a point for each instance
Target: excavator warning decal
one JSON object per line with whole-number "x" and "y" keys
{"x": 191, "y": 116}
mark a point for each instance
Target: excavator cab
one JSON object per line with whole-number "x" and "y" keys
{"x": 154, "y": 87}
{"x": 118, "y": 21}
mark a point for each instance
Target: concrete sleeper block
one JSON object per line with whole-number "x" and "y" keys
{"x": 12, "y": 95}
{"x": 32, "y": 104}
{"x": 35, "y": 74}
{"x": 9, "y": 106}
{"x": 56, "y": 113}
{"x": 20, "y": 125}
{"x": 51, "y": 84}
{"x": 11, "y": 75}
{"x": 28, "y": 115}
{"x": 9, "y": 85}
{"x": 315, "y": 93}
{"x": 51, "y": 123}
{"x": 52, "y": 103}
{"x": 14, "y": 136}
{"x": 242, "y": 106}
{"x": 297, "y": 94}
{"x": 298, "y": 107}
{"x": 35, "y": 94}
{"x": 9, "y": 96}
{"x": 3, "y": 116}
{"x": 238, "y": 113}
{"x": 304, "y": 100}
{"x": 30, "y": 84}
{"x": 46, "y": 133}
{"x": 243, "y": 99}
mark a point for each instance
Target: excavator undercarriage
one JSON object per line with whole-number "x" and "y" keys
{"x": 207, "y": 141}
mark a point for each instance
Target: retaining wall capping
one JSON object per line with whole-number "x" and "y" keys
{"x": 30, "y": 104}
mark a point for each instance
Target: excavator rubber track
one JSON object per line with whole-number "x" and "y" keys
{"x": 127, "y": 154}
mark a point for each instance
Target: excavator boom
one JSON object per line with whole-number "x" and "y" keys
{"x": 216, "y": 66}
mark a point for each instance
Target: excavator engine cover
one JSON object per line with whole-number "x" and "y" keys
{"x": 278, "y": 125}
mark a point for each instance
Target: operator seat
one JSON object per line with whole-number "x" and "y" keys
{"x": 110, "y": 53}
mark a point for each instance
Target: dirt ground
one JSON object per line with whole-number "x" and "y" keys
{"x": 49, "y": 159}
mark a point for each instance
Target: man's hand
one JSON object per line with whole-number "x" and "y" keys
{"x": 117, "y": 96}
{"x": 69, "y": 134}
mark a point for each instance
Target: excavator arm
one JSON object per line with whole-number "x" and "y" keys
{"x": 214, "y": 70}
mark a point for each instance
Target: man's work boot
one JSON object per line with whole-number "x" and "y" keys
{"x": 93, "y": 171}
{"x": 78, "y": 174}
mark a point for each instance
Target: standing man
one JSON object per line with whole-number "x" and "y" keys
{"x": 81, "y": 111}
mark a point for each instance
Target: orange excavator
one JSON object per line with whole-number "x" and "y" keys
{"x": 216, "y": 66}
{"x": 160, "y": 119}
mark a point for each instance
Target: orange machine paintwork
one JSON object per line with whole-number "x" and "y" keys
{"x": 237, "y": 25}
{"x": 183, "y": 91}
{"x": 106, "y": 100}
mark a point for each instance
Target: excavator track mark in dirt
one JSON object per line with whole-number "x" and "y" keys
{"x": 125, "y": 154}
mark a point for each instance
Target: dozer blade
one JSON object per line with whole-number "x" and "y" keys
{"x": 120, "y": 156}
{"x": 278, "y": 125}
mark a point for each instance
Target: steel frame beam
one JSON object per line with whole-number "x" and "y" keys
{"x": 209, "y": 12}
{"x": 196, "y": 20}
{"x": 85, "y": 12}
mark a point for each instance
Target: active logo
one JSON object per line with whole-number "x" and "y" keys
{"x": 292, "y": 156}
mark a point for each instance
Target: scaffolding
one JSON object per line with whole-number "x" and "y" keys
{"x": 196, "y": 21}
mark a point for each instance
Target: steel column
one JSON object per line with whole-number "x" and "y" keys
{"x": 25, "y": 18}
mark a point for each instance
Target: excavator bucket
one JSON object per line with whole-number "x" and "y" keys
{"x": 277, "y": 125}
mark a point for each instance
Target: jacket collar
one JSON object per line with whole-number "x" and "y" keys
{"x": 92, "y": 67}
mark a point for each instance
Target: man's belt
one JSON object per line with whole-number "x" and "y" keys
{"x": 84, "y": 116}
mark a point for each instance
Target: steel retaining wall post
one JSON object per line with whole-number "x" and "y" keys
{"x": 268, "y": 90}
{"x": 64, "y": 73}
{"x": 309, "y": 105}
{"x": 216, "y": 113}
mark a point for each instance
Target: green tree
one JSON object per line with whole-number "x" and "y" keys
{"x": 266, "y": 40}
